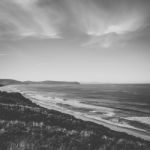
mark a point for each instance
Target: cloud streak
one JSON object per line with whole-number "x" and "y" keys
{"x": 25, "y": 19}
{"x": 105, "y": 23}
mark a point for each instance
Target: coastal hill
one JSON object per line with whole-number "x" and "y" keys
{"x": 49, "y": 82}
{"x": 27, "y": 126}
{"x": 4, "y": 82}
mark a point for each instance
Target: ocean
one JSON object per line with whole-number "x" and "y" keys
{"x": 119, "y": 105}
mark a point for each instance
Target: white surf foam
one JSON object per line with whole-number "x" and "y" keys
{"x": 145, "y": 120}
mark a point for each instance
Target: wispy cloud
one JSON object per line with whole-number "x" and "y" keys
{"x": 105, "y": 23}
{"x": 25, "y": 19}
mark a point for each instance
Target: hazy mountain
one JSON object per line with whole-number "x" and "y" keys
{"x": 50, "y": 82}
{"x": 11, "y": 81}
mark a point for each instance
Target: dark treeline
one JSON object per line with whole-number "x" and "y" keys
{"x": 27, "y": 126}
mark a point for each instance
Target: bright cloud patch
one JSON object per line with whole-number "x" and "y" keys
{"x": 107, "y": 26}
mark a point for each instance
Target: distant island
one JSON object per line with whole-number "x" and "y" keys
{"x": 4, "y": 82}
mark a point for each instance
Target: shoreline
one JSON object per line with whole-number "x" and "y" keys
{"x": 117, "y": 128}
{"x": 132, "y": 132}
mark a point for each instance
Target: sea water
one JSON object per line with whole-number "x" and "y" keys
{"x": 122, "y": 105}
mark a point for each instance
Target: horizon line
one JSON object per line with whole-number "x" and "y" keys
{"x": 81, "y": 82}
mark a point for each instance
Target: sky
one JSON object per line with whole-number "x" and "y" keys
{"x": 75, "y": 40}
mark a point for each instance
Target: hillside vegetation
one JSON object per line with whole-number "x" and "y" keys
{"x": 27, "y": 126}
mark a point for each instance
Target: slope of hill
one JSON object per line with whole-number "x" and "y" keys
{"x": 26, "y": 126}
{"x": 4, "y": 82}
